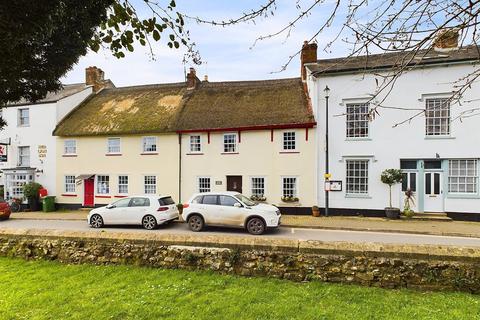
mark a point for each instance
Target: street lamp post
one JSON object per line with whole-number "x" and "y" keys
{"x": 327, "y": 173}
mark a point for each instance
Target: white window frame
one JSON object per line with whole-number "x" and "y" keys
{"x": 193, "y": 144}
{"x": 153, "y": 146}
{"x": 110, "y": 148}
{"x": 69, "y": 184}
{"x": 21, "y": 157}
{"x": 437, "y": 124}
{"x": 350, "y": 190}
{"x": 357, "y": 117}
{"x": 150, "y": 188}
{"x": 295, "y": 189}
{"x": 253, "y": 187}
{"x": 121, "y": 183}
{"x": 72, "y": 149}
{"x": 23, "y": 121}
{"x": 202, "y": 187}
{"x": 226, "y": 144}
{"x": 103, "y": 190}
{"x": 289, "y": 144}
{"x": 469, "y": 177}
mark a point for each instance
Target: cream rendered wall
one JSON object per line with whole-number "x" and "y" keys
{"x": 92, "y": 159}
{"x": 257, "y": 156}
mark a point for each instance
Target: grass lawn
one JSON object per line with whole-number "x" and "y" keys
{"x": 49, "y": 290}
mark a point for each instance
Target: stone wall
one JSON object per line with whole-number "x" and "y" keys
{"x": 389, "y": 266}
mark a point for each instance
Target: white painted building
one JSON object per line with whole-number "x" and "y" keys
{"x": 28, "y": 148}
{"x": 438, "y": 150}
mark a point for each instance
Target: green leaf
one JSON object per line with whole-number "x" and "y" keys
{"x": 156, "y": 35}
{"x": 172, "y": 37}
{"x": 176, "y": 44}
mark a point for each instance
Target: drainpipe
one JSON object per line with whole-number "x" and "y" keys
{"x": 179, "y": 168}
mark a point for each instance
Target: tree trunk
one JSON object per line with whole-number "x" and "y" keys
{"x": 390, "y": 196}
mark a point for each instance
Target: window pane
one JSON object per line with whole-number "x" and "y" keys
{"x": 210, "y": 199}
{"x": 289, "y": 141}
{"x": 357, "y": 176}
{"x": 140, "y": 202}
{"x": 357, "y": 120}
{"x": 150, "y": 184}
{"x": 462, "y": 176}
{"x": 103, "y": 184}
{"x": 428, "y": 183}
{"x": 149, "y": 144}
{"x": 413, "y": 181}
{"x": 204, "y": 184}
{"x": 195, "y": 145}
{"x": 113, "y": 145}
{"x": 122, "y": 203}
{"x": 229, "y": 142}
{"x": 437, "y": 117}
{"x": 227, "y": 201}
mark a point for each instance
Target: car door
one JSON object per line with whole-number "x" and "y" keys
{"x": 115, "y": 212}
{"x": 209, "y": 209}
{"x": 137, "y": 209}
{"x": 231, "y": 211}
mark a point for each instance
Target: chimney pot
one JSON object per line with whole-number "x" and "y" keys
{"x": 205, "y": 78}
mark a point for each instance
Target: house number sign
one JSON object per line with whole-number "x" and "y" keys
{"x": 42, "y": 151}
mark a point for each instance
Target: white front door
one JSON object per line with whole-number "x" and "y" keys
{"x": 433, "y": 192}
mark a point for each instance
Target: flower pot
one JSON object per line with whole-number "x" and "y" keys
{"x": 316, "y": 212}
{"x": 392, "y": 213}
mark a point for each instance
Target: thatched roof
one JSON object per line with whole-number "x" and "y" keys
{"x": 394, "y": 60}
{"x": 172, "y": 108}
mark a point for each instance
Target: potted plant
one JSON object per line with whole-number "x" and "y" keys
{"x": 316, "y": 211}
{"x": 289, "y": 199}
{"x": 258, "y": 198}
{"x": 30, "y": 191}
{"x": 391, "y": 177}
{"x": 408, "y": 203}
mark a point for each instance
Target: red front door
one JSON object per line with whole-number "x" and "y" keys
{"x": 88, "y": 194}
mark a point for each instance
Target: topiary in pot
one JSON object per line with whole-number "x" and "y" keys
{"x": 30, "y": 192}
{"x": 391, "y": 177}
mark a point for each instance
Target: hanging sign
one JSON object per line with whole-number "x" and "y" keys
{"x": 335, "y": 185}
{"x": 42, "y": 151}
{"x": 3, "y": 153}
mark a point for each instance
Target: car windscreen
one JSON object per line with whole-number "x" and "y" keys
{"x": 245, "y": 200}
{"x": 166, "y": 201}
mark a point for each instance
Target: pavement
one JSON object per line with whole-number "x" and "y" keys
{"x": 440, "y": 228}
{"x": 277, "y": 234}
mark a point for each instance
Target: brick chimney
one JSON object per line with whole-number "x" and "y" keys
{"x": 308, "y": 55}
{"x": 192, "y": 80}
{"x": 446, "y": 40}
{"x": 95, "y": 77}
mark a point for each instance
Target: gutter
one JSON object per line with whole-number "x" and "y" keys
{"x": 251, "y": 128}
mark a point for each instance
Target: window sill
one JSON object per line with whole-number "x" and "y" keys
{"x": 195, "y": 154}
{"x": 438, "y": 137}
{"x": 463, "y": 196}
{"x": 360, "y": 196}
{"x": 120, "y": 196}
{"x": 104, "y": 197}
{"x": 358, "y": 139}
{"x": 68, "y": 195}
{"x": 69, "y": 155}
{"x": 149, "y": 153}
{"x": 113, "y": 154}
{"x": 289, "y": 152}
{"x": 229, "y": 153}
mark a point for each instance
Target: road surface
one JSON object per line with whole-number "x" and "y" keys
{"x": 283, "y": 232}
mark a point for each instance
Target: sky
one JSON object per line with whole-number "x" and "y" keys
{"x": 227, "y": 53}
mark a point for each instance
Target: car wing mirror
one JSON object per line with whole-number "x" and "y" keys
{"x": 110, "y": 206}
{"x": 237, "y": 205}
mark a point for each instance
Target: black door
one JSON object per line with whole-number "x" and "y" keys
{"x": 234, "y": 183}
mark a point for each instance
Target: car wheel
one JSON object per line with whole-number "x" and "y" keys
{"x": 149, "y": 222}
{"x": 96, "y": 221}
{"x": 195, "y": 223}
{"x": 256, "y": 226}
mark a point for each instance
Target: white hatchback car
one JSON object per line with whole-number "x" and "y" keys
{"x": 229, "y": 209}
{"x": 148, "y": 211}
